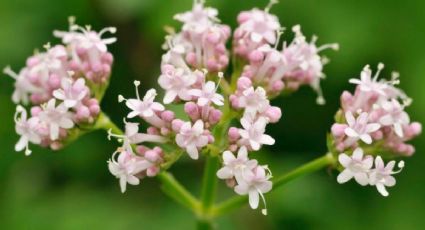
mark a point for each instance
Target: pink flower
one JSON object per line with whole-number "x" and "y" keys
{"x": 381, "y": 176}
{"x": 360, "y": 128}
{"x": 144, "y": 108}
{"x": 255, "y": 184}
{"x": 27, "y": 129}
{"x": 192, "y": 137}
{"x": 55, "y": 117}
{"x": 394, "y": 116}
{"x": 126, "y": 167}
{"x": 207, "y": 94}
{"x": 253, "y": 133}
{"x": 71, "y": 93}
{"x": 253, "y": 101}
{"x": 355, "y": 166}
{"x": 236, "y": 166}
{"x": 176, "y": 82}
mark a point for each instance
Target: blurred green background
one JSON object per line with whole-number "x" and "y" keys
{"x": 72, "y": 188}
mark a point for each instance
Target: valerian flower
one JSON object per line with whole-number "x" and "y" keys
{"x": 192, "y": 137}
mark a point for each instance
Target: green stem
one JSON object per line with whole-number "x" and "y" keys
{"x": 209, "y": 185}
{"x": 178, "y": 193}
{"x": 312, "y": 166}
{"x": 105, "y": 123}
{"x": 170, "y": 185}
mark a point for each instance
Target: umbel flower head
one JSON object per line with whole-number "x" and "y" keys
{"x": 193, "y": 77}
{"x": 374, "y": 119}
{"x": 62, "y": 87}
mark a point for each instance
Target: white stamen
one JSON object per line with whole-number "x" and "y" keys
{"x": 121, "y": 98}
{"x": 137, "y": 84}
{"x": 8, "y": 71}
{"x": 270, "y": 4}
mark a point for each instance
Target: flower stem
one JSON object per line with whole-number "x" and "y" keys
{"x": 105, "y": 123}
{"x": 209, "y": 185}
{"x": 170, "y": 186}
{"x": 178, "y": 193}
{"x": 312, "y": 166}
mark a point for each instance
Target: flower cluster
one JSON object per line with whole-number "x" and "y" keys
{"x": 295, "y": 65}
{"x": 62, "y": 87}
{"x": 373, "y": 118}
{"x": 201, "y": 44}
{"x": 375, "y": 115}
{"x": 192, "y": 74}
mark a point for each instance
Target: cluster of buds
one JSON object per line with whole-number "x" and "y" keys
{"x": 60, "y": 85}
{"x": 201, "y": 44}
{"x": 373, "y": 119}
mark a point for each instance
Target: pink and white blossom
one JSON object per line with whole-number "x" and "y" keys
{"x": 191, "y": 138}
{"x": 356, "y": 166}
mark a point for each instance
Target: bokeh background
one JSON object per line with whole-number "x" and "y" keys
{"x": 72, "y": 188}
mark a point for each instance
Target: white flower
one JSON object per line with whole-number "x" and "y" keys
{"x": 22, "y": 85}
{"x": 199, "y": 19}
{"x": 176, "y": 82}
{"x": 192, "y": 137}
{"x": 126, "y": 167}
{"x": 236, "y": 166}
{"x": 27, "y": 129}
{"x": 255, "y": 184}
{"x": 381, "y": 176}
{"x": 396, "y": 116}
{"x": 254, "y": 100}
{"x": 55, "y": 117}
{"x": 145, "y": 108}
{"x": 86, "y": 38}
{"x": 132, "y": 136}
{"x": 261, "y": 26}
{"x": 360, "y": 128}
{"x": 369, "y": 84}
{"x": 71, "y": 92}
{"x": 253, "y": 133}
{"x": 355, "y": 166}
{"x": 207, "y": 94}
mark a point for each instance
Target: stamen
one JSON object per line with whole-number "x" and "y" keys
{"x": 121, "y": 98}
{"x": 278, "y": 36}
{"x": 111, "y": 30}
{"x": 27, "y": 151}
{"x": 71, "y": 21}
{"x": 47, "y": 46}
{"x": 220, "y": 77}
{"x": 380, "y": 67}
{"x": 334, "y": 46}
{"x": 137, "y": 84}
{"x": 270, "y": 4}
{"x": 400, "y": 166}
{"x": 264, "y": 210}
{"x": 8, "y": 71}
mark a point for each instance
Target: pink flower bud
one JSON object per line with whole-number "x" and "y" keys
{"x": 152, "y": 130}
{"x": 152, "y": 171}
{"x": 192, "y": 110}
{"x": 152, "y": 156}
{"x": 141, "y": 149}
{"x": 338, "y": 129}
{"x": 215, "y": 116}
{"x": 176, "y": 124}
{"x": 244, "y": 83}
{"x": 256, "y": 56}
{"x": 167, "y": 115}
{"x": 278, "y": 86}
{"x": 233, "y": 134}
{"x": 274, "y": 114}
